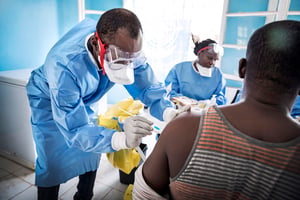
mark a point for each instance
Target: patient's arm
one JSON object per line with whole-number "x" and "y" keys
{"x": 170, "y": 152}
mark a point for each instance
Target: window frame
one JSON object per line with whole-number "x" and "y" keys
{"x": 277, "y": 10}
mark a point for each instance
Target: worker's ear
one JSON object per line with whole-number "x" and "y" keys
{"x": 242, "y": 67}
{"x": 93, "y": 41}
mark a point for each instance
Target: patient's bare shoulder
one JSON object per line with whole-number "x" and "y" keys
{"x": 183, "y": 126}
{"x": 178, "y": 138}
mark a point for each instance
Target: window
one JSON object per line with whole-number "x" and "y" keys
{"x": 168, "y": 25}
{"x": 240, "y": 20}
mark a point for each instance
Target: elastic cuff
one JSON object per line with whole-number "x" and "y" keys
{"x": 118, "y": 141}
{"x": 169, "y": 114}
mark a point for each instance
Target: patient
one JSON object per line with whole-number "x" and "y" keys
{"x": 246, "y": 150}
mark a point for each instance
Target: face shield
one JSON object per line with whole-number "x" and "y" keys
{"x": 119, "y": 65}
{"x": 117, "y": 58}
{"x": 213, "y": 48}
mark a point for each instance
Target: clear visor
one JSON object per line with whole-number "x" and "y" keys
{"x": 115, "y": 55}
{"x": 215, "y": 48}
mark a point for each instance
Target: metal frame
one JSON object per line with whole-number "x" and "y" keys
{"x": 82, "y": 11}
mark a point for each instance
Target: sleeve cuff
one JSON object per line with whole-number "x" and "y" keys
{"x": 118, "y": 141}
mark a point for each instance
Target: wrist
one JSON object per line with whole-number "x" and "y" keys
{"x": 118, "y": 141}
{"x": 169, "y": 114}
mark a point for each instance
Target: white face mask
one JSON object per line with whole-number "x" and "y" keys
{"x": 203, "y": 71}
{"x": 119, "y": 73}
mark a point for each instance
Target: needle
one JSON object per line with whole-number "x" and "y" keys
{"x": 143, "y": 157}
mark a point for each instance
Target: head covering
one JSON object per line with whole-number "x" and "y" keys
{"x": 202, "y": 44}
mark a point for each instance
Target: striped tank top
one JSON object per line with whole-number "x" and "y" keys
{"x": 227, "y": 164}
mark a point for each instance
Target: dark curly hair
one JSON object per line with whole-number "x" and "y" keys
{"x": 117, "y": 18}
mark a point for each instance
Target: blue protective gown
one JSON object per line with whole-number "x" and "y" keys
{"x": 187, "y": 82}
{"x": 295, "y": 112}
{"x": 61, "y": 93}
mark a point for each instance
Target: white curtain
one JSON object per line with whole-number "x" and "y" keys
{"x": 167, "y": 26}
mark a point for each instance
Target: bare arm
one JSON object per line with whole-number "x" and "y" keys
{"x": 170, "y": 152}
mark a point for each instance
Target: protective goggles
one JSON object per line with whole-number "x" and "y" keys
{"x": 213, "y": 48}
{"x": 115, "y": 55}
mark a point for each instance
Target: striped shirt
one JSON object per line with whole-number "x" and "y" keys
{"x": 227, "y": 164}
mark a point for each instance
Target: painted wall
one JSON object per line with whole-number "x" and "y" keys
{"x": 29, "y": 28}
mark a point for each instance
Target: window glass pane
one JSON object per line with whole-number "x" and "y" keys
{"x": 252, "y": 5}
{"x": 234, "y": 83}
{"x": 294, "y": 17}
{"x": 167, "y": 34}
{"x": 230, "y": 60}
{"x": 294, "y": 5}
{"x": 239, "y": 29}
{"x": 102, "y": 4}
{"x": 93, "y": 16}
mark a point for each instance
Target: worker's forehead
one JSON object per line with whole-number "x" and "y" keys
{"x": 210, "y": 54}
{"x": 125, "y": 42}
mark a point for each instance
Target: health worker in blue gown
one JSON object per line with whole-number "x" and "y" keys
{"x": 80, "y": 68}
{"x": 295, "y": 112}
{"x": 200, "y": 79}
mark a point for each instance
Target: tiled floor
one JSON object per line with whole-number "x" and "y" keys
{"x": 17, "y": 183}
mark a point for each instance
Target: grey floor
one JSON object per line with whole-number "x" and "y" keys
{"x": 17, "y": 183}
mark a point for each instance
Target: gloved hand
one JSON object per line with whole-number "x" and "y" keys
{"x": 135, "y": 128}
{"x": 204, "y": 103}
{"x": 170, "y": 113}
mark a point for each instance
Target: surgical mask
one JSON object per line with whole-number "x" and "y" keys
{"x": 119, "y": 65}
{"x": 119, "y": 73}
{"x": 113, "y": 54}
{"x": 203, "y": 71}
